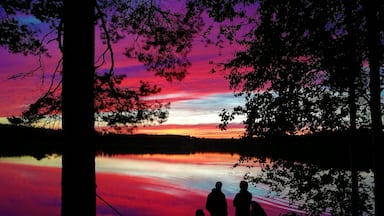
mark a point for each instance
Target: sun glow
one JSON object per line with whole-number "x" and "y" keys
{"x": 198, "y": 130}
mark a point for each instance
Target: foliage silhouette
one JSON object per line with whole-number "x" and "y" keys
{"x": 303, "y": 69}
{"x": 313, "y": 189}
{"x": 165, "y": 38}
{"x": 157, "y": 37}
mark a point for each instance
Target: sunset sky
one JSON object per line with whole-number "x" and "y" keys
{"x": 195, "y": 102}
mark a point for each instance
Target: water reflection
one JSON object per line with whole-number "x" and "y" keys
{"x": 196, "y": 171}
{"x": 318, "y": 191}
{"x": 133, "y": 184}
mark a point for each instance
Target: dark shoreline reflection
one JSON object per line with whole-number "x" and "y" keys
{"x": 327, "y": 149}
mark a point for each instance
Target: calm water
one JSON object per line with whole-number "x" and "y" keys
{"x": 155, "y": 185}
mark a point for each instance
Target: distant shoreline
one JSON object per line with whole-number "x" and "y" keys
{"x": 325, "y": 149}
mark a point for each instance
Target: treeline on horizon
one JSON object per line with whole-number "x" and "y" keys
{"x": 326, "y": 149}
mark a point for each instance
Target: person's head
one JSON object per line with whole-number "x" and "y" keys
{"x": 218, "y": 185}
{"x": 243, "y": 185}
{"x": 199, "y": 212}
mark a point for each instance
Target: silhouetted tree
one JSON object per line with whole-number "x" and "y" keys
{"x": 302, "y": 68}
{"x": 78, "y": 179}
{"x": 374, "y": 14}
{"x": 161, "y": 40}
{"x": 314, "y": 189}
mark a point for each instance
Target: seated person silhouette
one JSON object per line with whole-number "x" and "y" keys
{"x": 257, "y": 210}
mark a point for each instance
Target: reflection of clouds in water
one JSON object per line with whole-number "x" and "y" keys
{"x": 179, "y": 174}
{"x": 200, "y": 175}
{"x": 167, "y": 190}
{"x": 130, "y": 182}
{"x": 195, "y": 172}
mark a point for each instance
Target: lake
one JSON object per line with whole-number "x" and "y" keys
{"x": 145, "y": 184}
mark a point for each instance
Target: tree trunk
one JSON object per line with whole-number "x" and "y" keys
{"x": 355, "y": 68}
{"x": 78, "y": 159}
{"x": 373, "y": 40}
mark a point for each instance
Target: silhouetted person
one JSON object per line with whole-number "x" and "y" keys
{"x": 199, "y": 212}
{"x": 242, "y": 200}
{"x": 216, "y": 202}
{"x": 257, "y": 210}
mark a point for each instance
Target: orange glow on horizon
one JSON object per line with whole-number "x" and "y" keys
{"x": 199, "y": 131}
{"x": 196, "y": 158}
